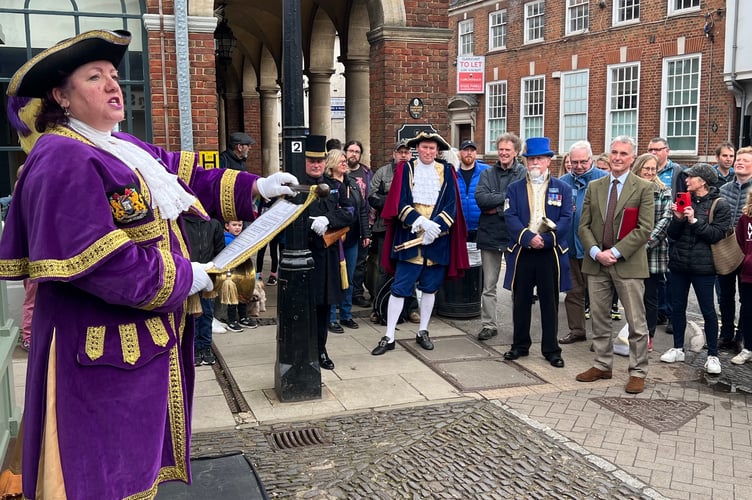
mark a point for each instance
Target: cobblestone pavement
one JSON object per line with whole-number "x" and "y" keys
{"x": 470, "y": 449}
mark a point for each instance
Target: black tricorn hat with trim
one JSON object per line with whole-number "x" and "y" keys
{"x": 47, "y": 69}
{"x": 426, "y": 136}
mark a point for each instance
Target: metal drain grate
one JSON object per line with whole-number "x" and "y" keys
{"x": 297, "y": 438}
{"x": 658, "y": 415}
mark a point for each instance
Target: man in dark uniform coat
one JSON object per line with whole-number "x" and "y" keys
{"x": 333, "y": 212}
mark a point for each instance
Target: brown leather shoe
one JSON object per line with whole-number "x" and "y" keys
{"x": 571, "y": 338}
{"x": 635, "y": 385}
{"x": 593, "y": 374}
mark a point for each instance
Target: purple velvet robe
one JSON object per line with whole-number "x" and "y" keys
{"x": 111, "y": 295}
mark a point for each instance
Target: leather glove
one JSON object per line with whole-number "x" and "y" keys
{"x": 201, "y": 280}
{"x": 431, "y": 229}
{"x": 274, "y": 185}
{"x": 419, "y": 224}
{"x": 319, "y": 224}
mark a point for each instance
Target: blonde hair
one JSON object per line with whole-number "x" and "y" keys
{"x": 640, "y": 161}
{"x": 747, "y": 209}
{"x": 332, "y": 161}
{"x": 604, "y": 158}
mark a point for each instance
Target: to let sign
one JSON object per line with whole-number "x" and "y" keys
{"x": 471, "y": 72}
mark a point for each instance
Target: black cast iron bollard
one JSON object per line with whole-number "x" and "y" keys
{"x": 297, "y": 375}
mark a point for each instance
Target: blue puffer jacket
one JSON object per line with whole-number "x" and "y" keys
{"x": 469, "y": 207}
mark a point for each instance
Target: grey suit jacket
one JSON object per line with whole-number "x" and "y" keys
{"x": 636, "y": 192}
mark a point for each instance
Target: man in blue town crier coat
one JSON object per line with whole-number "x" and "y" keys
{"x": 538, "y": 212}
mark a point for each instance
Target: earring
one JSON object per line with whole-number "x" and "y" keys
{"x": 66, "y": 112}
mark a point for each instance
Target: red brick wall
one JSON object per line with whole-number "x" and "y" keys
{"x": 647, "y": 42}
{"x": 401, "y": 70}
{"x": 252, "y": 127}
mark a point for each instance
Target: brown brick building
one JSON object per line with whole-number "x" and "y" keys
{"x": 594, "y": 69}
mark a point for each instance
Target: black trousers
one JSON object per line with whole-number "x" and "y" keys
{"x": 322, "y": 325}
{"x": 536, "y": 269}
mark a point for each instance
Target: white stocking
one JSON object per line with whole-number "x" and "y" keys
{"x": 393, "y": 311}
{"x": 426, "y": 309}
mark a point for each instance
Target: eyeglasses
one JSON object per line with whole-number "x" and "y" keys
{"x": 656, "y": 150}
{"x": 649, "y": 169}
{"x": 356, "y": 151}
{"x": 579, "y": 163}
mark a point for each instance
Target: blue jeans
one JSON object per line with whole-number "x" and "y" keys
{"x": 704, "y": 287}
{"x": 345, "y": 307}
{"x": 203, "y": 338}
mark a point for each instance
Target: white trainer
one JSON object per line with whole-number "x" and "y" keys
{"x": 673, "y": 355}
{"x": 713, "y": 365}
{"x": 742, "y": 357}
{"x": 217, "y": 326}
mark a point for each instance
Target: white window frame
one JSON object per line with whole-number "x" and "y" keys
{"x": 580, "y": 103}
{"x": 503, "y": 107}
{"x": 574, "y": 7}
{"x": 623, "y": 5}
{"x": 610, "y": 111}
{"x": 525, "y": 117}
{"x": 674, "y": 9}
{"x": 465, "y": 31}
{"x": 540, "y": 6}
{"x": 499, "y": 24}
{"x": 668, "y": 128}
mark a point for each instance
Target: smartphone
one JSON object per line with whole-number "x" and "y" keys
{"x": 683, "y": 200}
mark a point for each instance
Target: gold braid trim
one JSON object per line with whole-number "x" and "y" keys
{"x": 227, "y": 195}
{"x": 168, "y": 281}
{"x": 177, "y": 425}
{"x": 158, "y": 331}
{"x": 144, "y": 232}
{"x": 14, "y": 268}
{"x": 95, "y": 342}
{"x": 181, "y": 326}
{"x": 186, "y": 167}
{"x": 129, "y": 343}
{"x": 91, "y": 256}
{"x": 175, "y": 227}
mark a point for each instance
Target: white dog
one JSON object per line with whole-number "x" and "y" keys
{"x": 258, "y": 300}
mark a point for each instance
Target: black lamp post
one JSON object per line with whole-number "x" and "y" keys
{"x": 297, "y": 375}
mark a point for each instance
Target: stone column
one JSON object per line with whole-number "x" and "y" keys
{"x": 269, "y": 131}
{"x": 319, "y": 102}
{"x": 358, "y": 104}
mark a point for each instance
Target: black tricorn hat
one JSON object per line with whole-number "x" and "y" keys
{"x": 426, "y": 136}
{"x": 47, "y": 69}
{"x": 315, "y": 146}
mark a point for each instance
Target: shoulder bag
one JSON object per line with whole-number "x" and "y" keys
{"x": 727, "y": 256}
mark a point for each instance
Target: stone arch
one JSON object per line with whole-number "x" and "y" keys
{"x": 386, "y": 13}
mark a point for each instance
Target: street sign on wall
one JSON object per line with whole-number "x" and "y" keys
{"x": 471, "y": 74}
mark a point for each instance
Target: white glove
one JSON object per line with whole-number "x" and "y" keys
{"x": 431, "y": 230}
{"x": 319, "y": 225}
{"x": 274, "y": 185}
{"x": 418, "y": 224}
{"x": 201, "y": 280}
{"x": 427, "y": 239}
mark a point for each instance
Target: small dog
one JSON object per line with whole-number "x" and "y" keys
{"x": 258, "y": 300}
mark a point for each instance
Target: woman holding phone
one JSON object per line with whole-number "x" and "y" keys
{"x": 691, "y": 260}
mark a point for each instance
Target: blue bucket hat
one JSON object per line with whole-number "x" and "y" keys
{"x": 538, "y": 146}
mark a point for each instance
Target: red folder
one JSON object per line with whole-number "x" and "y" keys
{"x": 628, "y": 221}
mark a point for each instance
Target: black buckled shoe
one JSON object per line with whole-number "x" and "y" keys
{"x": 513, "y": 354}
{"x": 384, "y": 345}
{"x": 423, "y": 340}
{"x": 325, "y": 362}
